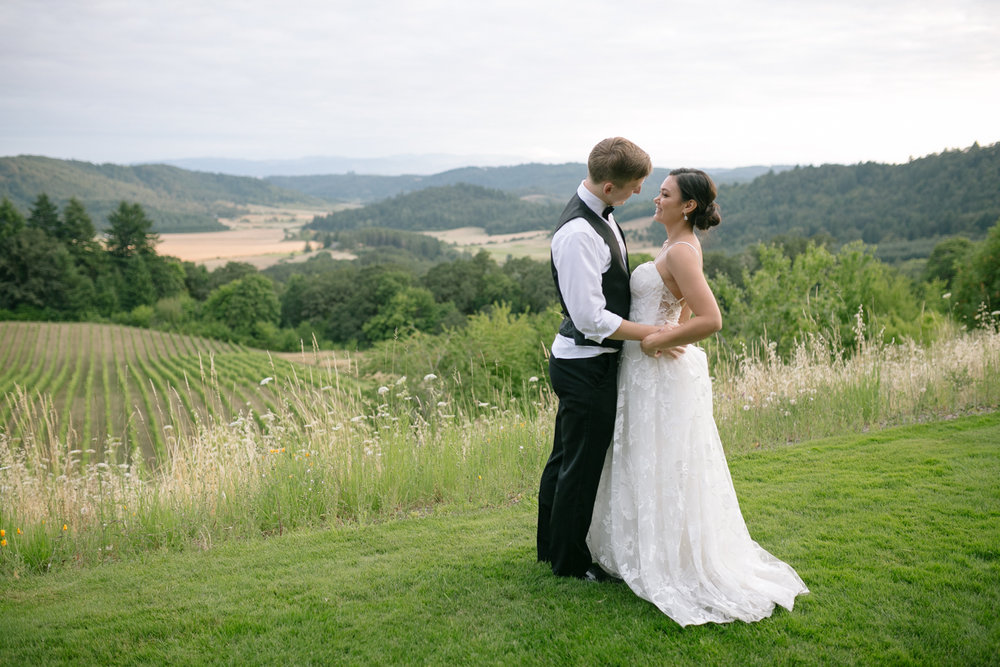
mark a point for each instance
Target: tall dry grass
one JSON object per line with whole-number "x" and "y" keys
{"x": 330, "y": 454}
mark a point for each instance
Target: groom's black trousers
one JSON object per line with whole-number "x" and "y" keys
{"x": 587, "y": 391}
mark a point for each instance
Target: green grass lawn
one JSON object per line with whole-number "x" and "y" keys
{"x": 897, "y": 534}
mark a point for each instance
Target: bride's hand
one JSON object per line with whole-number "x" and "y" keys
{"x": 672, "y": 352}
{"x": 649, "y": 347}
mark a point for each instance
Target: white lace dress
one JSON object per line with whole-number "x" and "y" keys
{"x": 666, "y": 518}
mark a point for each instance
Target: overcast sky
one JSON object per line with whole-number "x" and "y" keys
{"x": 717, "y": 83}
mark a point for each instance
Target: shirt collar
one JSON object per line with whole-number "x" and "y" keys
{"x": 592, "y": 201}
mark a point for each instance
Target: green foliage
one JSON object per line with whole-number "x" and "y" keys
{"x": 77, "y": 229}
{"x": 977, "y": 282}
{"x": 130, "y": 231}
{"x": 45, "y": 216}
{"x": 38, "y": 272}
{"x": 244, "y": 306}
{"x": 408, "y": 310}
{"x": 497, "y": 351}
{"x": 357, "y": 241}
{"x": 952, "y": 193}
{"x": 447, "y": 207}
{"x": 178, "y": 199}
{"x": 946, "y": 259}
{"x": 819, "y": 293}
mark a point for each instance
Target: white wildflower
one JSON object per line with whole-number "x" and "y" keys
{"x": 383, "y": 390}
{"x": 429, "y": 377}
{"x": 533, "y": 378}
{"x": 265, "y": 381}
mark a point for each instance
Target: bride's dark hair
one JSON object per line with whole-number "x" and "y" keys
{"x": 697, "y": 185}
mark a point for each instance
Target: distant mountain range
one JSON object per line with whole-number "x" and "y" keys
{"x": 392, "y": 165}
{"x": 543, "y": 180}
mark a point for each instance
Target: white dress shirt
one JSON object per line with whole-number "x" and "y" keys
{"x": 581, "y": 257}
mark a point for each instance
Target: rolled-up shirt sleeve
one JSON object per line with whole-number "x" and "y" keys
{"x": 581, "y": 257}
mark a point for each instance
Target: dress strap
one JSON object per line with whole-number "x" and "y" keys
{"x": 682, "y": 242}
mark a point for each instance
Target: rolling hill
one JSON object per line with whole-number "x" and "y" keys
{"x": 176, "y": 199}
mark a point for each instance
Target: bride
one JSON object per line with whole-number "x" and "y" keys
{"x": 666, "y": 518}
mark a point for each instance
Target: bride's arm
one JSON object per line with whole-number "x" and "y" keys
{"x": 684, "y": 265}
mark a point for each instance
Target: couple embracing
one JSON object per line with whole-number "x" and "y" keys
{"x": 637, "y": 487}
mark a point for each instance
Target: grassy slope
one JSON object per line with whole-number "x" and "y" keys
{"x": 895, "y": 533}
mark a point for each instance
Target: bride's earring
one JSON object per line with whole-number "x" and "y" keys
{"x": 685, "y": 216}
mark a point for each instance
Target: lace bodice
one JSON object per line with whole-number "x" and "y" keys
{"x": 652, "y": 302}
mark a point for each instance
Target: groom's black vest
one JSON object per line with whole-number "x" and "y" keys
{"x": 614, "y": 281}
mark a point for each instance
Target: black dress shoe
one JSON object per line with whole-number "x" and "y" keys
{"x": 596, "y": 574}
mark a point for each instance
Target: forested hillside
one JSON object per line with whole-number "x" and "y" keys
{"x": 908, "y": 206}
{"x": 904, "y": 210}
{"x": 175, "y": 199}
{"x": 446, "y": 207}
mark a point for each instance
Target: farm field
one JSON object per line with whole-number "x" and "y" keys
{"x": 523, "y": 244}
{"x": 261, "y": 238}
{"x": 83, "y": 383}
{"x": 258, "y": 237}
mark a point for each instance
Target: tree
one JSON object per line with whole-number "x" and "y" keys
{"x": 243, "y": 305}
{"x": 977, "y": 284}
{"x": 129, "y": 233}
{"x": 229, "y": 272}
{"x": 11, "y": 220}
{"x": 946, "y": 259}
{"x": 45, "y": 216}
{"x": 77, "y": 228}
{"x": 38, "y": 272}
{"x": 408, "y": 310}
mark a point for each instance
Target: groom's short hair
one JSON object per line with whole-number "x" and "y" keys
{"x": 619, "y": 161}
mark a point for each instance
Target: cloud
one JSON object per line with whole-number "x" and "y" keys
{"x": 721, "y": 83}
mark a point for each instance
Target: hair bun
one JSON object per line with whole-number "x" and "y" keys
{"x": 710, "y": 217}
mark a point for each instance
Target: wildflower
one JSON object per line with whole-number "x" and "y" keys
{"x": 483, "y": 405}
{"x": 533, "y": 378}
{"x": 3, "y": 533}
{"x": 18, "y": 531}
{"x": 65, "y": 527}
{"x": 3, "y": 543}
{"x": 947, "y": 295}
{"x": 383, "y": 390}
{"x": 746, "y": 407}
{"x": 429, "y": 377}
{"x": 265, "y": 381}
{"x": 401, "y": 380}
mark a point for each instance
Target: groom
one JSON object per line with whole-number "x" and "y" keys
{"x": 591, "y": 272}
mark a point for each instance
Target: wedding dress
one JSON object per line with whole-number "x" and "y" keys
{"x": 666, "y": 518}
